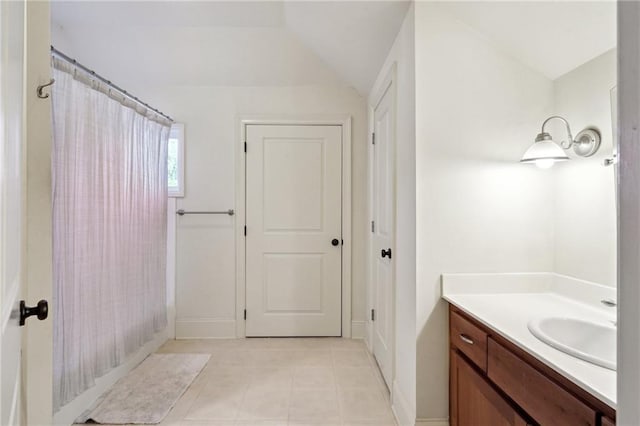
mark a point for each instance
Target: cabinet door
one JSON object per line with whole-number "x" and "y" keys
{"x": 474, "y": 402}
{"x": 542, "y": 398}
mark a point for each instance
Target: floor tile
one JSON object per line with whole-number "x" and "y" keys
{"x": 314, "y": 377}
{"x": 356, "y": 377}
{"x": 314, "y": 404}
{"x": 216, "y": 403}
{"x": 269, "y": 377}
{"x": 356, "y": 358}
{"x": 313, "y": 358}
{"x": 282, "y": 382}
{"x": 272, "y": 357}
{"x": 348, "y": 344}
{"x": 232, "y": 357}
{"x": 226, "y": 376}
{"x": 363, "y": 404}
{"x": 262, "y": 403}
{"x": 300, "y": 343}
{"x": 261, "y": 423}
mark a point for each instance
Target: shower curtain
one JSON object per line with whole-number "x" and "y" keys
{"x": 109, "y": 171}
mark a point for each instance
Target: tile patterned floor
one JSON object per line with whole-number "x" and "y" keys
{"x": 278, "y": 382}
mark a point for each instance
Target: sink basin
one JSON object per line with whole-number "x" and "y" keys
{"x": 589, "y": 341}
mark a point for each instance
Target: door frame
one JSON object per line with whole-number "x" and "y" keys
{"x": 389, "y": 83}
{"x": 37, "y": 355}
{"x": 287, "y": 120}
{"x": 628, "y": 372}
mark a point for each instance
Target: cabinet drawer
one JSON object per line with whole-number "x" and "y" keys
{"x": 469, "y": 339}
{"x": 543, "y": 399}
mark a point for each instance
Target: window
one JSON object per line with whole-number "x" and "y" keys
{"x": 175, "y": 161}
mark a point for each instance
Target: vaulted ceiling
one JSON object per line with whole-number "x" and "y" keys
{"x": 552, "y": 37}
{"x": 230, "y": 43}
{"x": 288, "y": 43}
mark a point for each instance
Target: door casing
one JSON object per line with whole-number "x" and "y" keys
{"x": 37, "y": 358}
{"x": 314, "y": 120}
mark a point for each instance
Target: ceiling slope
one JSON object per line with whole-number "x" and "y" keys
{"x": 187, "y": 43}
{"x": 552, "y": 37}
{"x": 227, "y": 43}
{"x": 196, "y": 56}
{"x": 223, "y": 43}
{"x": 353, "y": 37}
{"x": 167, "y": 13}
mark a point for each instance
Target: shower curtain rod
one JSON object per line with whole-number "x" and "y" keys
{"x": 59, "y": 54}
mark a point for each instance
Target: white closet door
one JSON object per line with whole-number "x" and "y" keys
{"x": 293, "y": 242}
{"x": 383, "y": 234}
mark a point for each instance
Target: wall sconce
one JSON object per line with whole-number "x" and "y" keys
{"x": 545, "y": 151}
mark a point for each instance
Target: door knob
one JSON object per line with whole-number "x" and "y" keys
{"x": 41, "y": 310}
{"x": 335, "y": 242}
{"x": 386, "y": 253}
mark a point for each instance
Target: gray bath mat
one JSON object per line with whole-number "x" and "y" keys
{"x": 149, "y": 391}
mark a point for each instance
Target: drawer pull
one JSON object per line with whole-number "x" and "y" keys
{"x": 466, "y": 339}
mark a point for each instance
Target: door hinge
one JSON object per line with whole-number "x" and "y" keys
{"x": 373, "y": 226}
{"x": 245, "y": 147}
{"x": 373, "y": 138}
{"x": 373, "y": 315}
{"x": 245, "y": 230}
{"x": 245, "y": 314}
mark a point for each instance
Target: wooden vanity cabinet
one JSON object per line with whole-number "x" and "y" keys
{"x": 476, "y": 401}
{"x": 493, "y": 382}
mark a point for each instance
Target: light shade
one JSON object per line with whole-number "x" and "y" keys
{"x": 544, "y": 153}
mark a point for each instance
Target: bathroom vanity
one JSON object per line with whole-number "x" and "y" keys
{"x": 501, "y": 374}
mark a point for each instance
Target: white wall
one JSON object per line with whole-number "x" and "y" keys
{"x": 206, "y": 292}
{"x": 402, "y": 54}
{"x": 477, "y": 209}
{"x": 585, "y": 208}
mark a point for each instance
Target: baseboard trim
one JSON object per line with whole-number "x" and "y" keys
{"x": 368, "y": 340}
{"x": 205, "y": 328}
{"x": 402, "y": 409}
{"x": 358, "y": 329}
{"x": 74, "y": 409}
{"x": 432, "y": 422}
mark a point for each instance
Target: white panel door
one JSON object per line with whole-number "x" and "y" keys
{"x": 383, "y": 234}
{"x": 294, "y": 227}
{"x": 11, "y": 212}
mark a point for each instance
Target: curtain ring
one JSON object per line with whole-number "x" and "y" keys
{"x": 40, "y": 88}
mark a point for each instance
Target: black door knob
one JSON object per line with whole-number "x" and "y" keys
{"x": 41, "y": 310}
{"x": 386, "y": 253}
{"x": 335, "y": 242}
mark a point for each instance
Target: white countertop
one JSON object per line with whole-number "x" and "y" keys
{"x": 507, "y": 302}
